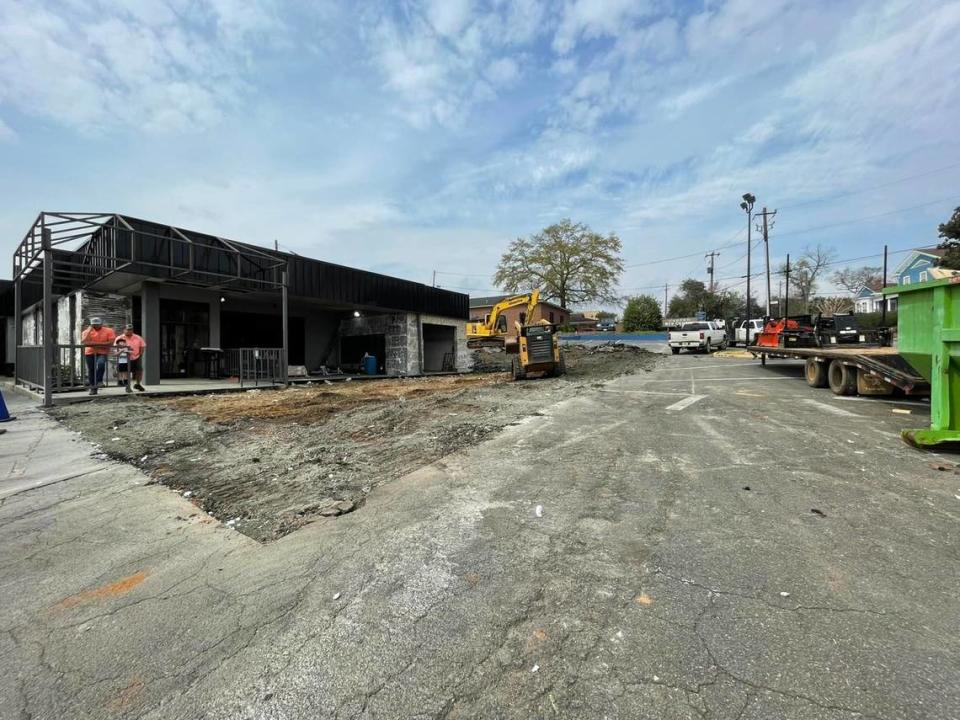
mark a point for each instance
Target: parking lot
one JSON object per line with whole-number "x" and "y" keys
{"x": 709, "y": 539}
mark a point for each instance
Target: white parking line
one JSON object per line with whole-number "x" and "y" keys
{"x": 685, "y": 403}
{"x": 830, "y": 408}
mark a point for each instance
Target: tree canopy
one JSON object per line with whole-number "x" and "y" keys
{"x": 569, "y": 262}
{"x": 693, "y": 296}
{"x": 852, "y": 279}
{"x": 950, "y": 234}
{"x": 807, "y": 271}
{"x": 642, "y": 313}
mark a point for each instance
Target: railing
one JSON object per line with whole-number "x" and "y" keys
{"x": 29, "y": 369}
{"x": 69, "y": 371}
{"x": 257, "y": 366}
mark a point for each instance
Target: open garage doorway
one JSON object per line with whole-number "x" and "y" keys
{"x": 439, "y": 348}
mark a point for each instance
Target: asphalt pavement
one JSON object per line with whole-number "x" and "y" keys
{"x": 713, "y": 539}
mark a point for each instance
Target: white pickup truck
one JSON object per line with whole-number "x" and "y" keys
{"x": 756, "y": 327}
{"x": 701, "y": 335}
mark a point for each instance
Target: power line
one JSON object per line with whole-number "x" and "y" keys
{"x": 871, "y": 189}
{"x": 866, "y": 218}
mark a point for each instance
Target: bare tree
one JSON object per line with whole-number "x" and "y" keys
{"x": 831, "y": 304}
{"x": 852, "y": 279}
{"x": 807, "y": 270}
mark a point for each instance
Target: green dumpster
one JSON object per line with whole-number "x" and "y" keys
{"x": 928, "y": 337}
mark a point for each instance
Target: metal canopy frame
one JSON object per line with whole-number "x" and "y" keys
{"x": 72, "y": 251}
{"x": 89, "y": 247}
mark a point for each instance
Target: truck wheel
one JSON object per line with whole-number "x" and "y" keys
{"x": 707, "y": 349}
{"x": 675, "y": 351}
{"x": 516, "y": 372}
{"x": 842, "y": 378}
{"x": 816, "y": 373}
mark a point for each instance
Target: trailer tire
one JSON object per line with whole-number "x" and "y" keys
{"x": 675, "y": 351}
{"x": 816, "y": 373}
{"x": 842, "y": 378}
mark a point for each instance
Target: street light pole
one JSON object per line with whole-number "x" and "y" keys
{"x": 747, "y": 206}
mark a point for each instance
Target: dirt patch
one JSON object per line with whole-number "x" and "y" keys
{"x": 268, "y": 461}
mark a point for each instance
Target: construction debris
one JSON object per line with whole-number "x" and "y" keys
{"x": 275, "y": 460}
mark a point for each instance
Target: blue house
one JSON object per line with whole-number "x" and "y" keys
{"x": 916, "y": 267}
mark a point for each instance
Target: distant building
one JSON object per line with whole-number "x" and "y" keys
{"x": 918, "y": 266}
{"x": 481, "y": 307}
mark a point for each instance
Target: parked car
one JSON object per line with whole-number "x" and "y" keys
{"x": 705, "y": 336}
{"x": 741, "y": 338}
{"x": 606, "y": 326}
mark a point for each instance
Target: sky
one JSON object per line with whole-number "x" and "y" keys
{"x": 410, "y": 137}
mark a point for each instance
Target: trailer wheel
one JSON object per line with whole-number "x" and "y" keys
{"x": 842, "y": 378}
{"x": 816, "y": 373}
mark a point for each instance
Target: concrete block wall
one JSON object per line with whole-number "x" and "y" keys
{"x": 403, "y": 341}
{"x": 393, "y": 327}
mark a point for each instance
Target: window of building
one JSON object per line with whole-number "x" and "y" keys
{"x": 905, "y": 280}
{"x": 923, "y": 276}
{"x": 551, "y": 316}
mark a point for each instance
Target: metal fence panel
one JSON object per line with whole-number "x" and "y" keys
{"x": 254, "y": 366}
{"x": 29, "y": 369}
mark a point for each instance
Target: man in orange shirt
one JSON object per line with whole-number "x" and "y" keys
{"x": 98, "y": 341}
{"x": 136, "y": 345}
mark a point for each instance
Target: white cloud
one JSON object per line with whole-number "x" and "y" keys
{"x": 503, "y": 71}
{"x": 675, "y": 105}
{"x": 6, "y": 132}
{"x": 449, "y": 17}
{"x": 104, "y": 64}
{"x": 588, "y": 19}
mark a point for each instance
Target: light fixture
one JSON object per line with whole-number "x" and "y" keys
{"x": 222, "y": 299}
{"x": 356, "y": 313}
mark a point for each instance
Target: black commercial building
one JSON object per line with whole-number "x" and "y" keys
{"x": 193, "y": 294}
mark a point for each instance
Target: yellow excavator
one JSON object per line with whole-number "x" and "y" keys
{"x": 492, "y": 332}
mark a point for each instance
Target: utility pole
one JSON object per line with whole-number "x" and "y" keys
{"x": 786, "y": 303}
{"x": 434, "y": 278}
{"x": 884, "y": 310}
{"x": 747, "y": 206}
{"x": 712, "y": 254}
{"x": 665, "y": 289}
{"x": 766, "y": 247}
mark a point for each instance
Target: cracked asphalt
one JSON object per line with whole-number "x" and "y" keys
{"x": 678, "y": 570}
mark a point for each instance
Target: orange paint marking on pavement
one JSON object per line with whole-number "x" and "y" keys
{"x": 127, "y": 696}
{"x": 643, "y": 599}
{"x": 120, "y": 587}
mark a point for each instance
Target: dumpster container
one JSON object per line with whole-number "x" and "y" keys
{"x": 928, "y": 337}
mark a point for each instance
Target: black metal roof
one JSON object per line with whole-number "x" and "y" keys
{"x": 116, "y": 251}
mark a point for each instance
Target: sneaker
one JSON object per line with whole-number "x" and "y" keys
{"x": 119, "y": 383}
{"x": 138, "y": 387}
{"x": 127, "y": 389}
{"x": 93, "y": 391}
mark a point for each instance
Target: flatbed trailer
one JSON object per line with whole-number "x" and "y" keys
{"x": 852, "y": 370}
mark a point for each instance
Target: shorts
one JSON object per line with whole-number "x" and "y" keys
{"x": 135, "y": 365}
{"x": 121, "y": 367}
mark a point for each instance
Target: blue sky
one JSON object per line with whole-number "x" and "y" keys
{"x": 408, "y": 137}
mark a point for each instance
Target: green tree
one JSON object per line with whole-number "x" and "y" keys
{"x": 569, "y": 262}
{"x": 693, "y": 297}
{"x": 642, "y": 313}
{"x": 950, "y": 233}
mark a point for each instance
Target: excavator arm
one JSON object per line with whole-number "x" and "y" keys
{"x": 492, "y": 328}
